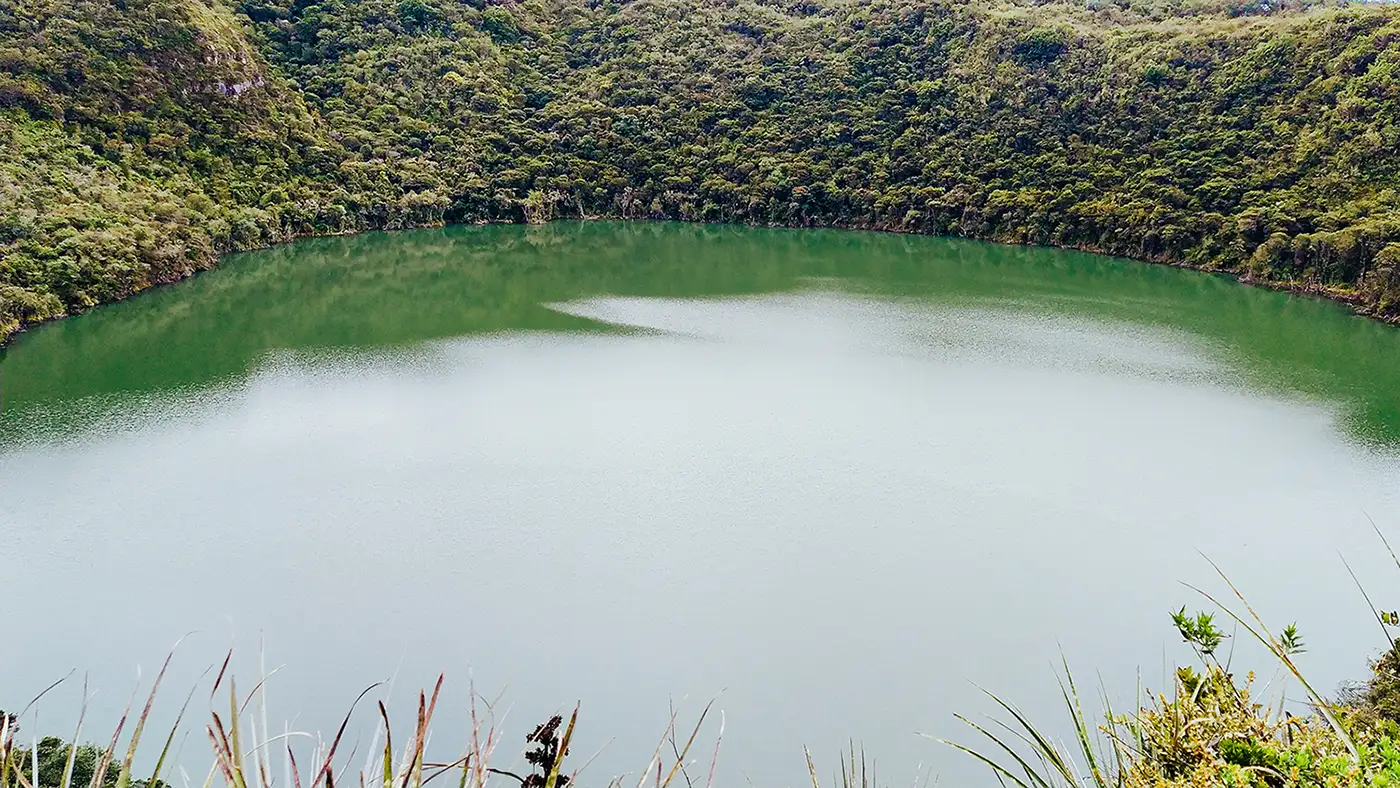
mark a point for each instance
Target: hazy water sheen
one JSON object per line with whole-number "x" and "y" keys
{"x": 839, "y": 476}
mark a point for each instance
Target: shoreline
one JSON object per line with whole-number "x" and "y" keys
{"x": 1321, "y": 292}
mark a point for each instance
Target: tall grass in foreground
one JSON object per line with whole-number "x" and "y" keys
{"x": 248, "y": 754}
{"x": 1209, "y": 731}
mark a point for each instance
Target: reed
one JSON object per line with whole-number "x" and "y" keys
{"x": 244, "y": 748}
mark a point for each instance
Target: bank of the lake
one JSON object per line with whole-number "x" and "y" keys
{"x": 1341, "y": 294}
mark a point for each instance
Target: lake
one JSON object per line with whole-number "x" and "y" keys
{"x": 837, "y": 480}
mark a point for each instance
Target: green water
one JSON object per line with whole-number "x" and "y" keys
{"x": 398, "y": 289}
{"x": 841, "y": 477}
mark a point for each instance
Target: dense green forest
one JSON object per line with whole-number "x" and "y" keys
{"x": 143, "y": 138}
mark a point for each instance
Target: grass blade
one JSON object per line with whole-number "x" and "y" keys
{"x": 77, "y": 736}
{"x": 124, "y": 774}
{"x": 553, "y": 778}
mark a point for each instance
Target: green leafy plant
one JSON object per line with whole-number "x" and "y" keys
{"x": 1200, "y": 631}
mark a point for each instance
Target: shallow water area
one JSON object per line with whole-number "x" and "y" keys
{"x": 836, "y": 479}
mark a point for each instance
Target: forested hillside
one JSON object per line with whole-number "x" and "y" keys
{"x": 142, "y": 138}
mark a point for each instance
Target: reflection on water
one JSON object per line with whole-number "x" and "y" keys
{"x": 398, "y": 289}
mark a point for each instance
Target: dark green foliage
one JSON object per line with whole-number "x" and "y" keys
{"x": 500, "y": 24}
{"x": 417, "y": 16}
{"x": 1247, "y": 752}
{"x": 1039, "y": 47}
{"x": 1382, "y": 283}
{"x": 53, "y": 759}
{"x": 139, "y": 142}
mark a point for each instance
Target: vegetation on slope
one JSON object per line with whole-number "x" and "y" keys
{"x": 138, "y": 142}
{"x": 145, "y": 137}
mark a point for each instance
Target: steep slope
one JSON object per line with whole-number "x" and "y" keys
{"x": 1229, "y": 135}
{"x": 140, "y": 140}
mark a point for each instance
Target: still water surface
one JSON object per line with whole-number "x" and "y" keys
{"x": 833, "y": 478}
